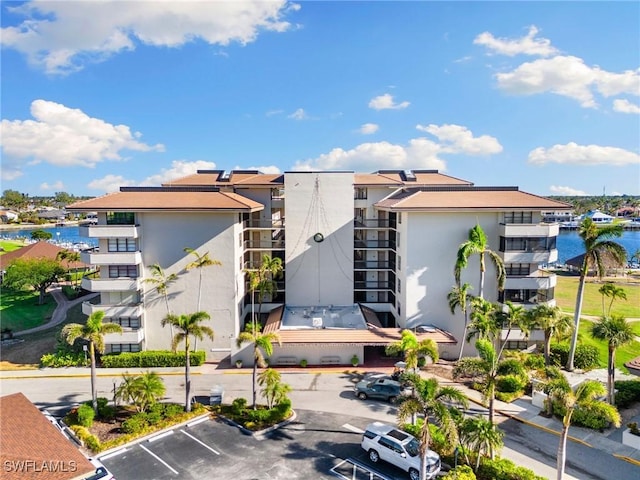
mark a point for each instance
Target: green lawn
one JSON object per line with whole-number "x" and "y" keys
{"x": 567, "y": 289}
{"x": 623, "y": 354}
{"x": 7, "y": 246}
{"x": 20, "y": 310}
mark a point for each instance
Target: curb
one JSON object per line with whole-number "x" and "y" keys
{"x": 627, "y": 459}
{"x": 258, "y": 433}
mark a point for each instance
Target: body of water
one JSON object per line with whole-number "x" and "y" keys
{"x": 569, "y": 242}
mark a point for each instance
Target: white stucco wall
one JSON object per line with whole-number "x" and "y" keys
{"x": 430, "y": 244}
{"x": 319, "y": 273}
{"x": 163, "y": 239}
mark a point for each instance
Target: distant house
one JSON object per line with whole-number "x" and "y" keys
{"x": 610, "y": 264}
{"x": 7, "y": 216}
{"x": 33, "y": 448}
{"x": 634, "y": 366}
{"x": 598, "y": 217}
{"x": 39, "y": 250}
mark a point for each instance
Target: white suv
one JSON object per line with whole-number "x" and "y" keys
{"x": 386, "y": 442}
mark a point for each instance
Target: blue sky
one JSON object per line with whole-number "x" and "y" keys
{"x": 542, "y": 95}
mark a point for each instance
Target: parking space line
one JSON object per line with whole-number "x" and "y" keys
{"x": 113, "y": 454}
{"x": 159, "y": 459}
{"x": 162, "y": 435}
{"x": 333, "y": 470}
{"x": 352, "y": 428}
{"x": 200, "y": 442}
{"x": 357, "y": 466}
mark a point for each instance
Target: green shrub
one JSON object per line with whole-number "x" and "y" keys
{"x": 238, "y": 405}
{"x": 511, "y": 366}
{"x": 62, "y": 359}
{"x": 509, "y": 397}
{"x": 172, "y": 410}
{"x": 152, "y": 358}
{"x": 586, "y": 357}
{"x": 106, "y": 412}
{"x": 591, "y": 415}
{"x": 135, "y": 424}
{"x": 504, "y": 469}
{"x": 461, "y": 472}
{"x": 259, "y": 416}
{"x": 155, "y": 417}
{"x": 628, "y": 392}
{"x": 85, "y": 415}
{"x": 534, "y": 361}
{"x": 88, "y": 440}
{"x": 510, "y": 383}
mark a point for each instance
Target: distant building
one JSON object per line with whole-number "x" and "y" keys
{"x": 364, "y": 256}
{"x": 8, "y": 216}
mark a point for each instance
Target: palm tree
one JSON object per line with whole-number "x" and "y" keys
{"x": 483, "y": 320}
{"x": 612, "y": 291}
{"x": 432, "y": 401}
{"x": 263, "y": 281}
{"x": 598, "y": 248}
{"x": 616, "y": 331}
{"x": 458, "y": 298}
{"x": 262, "y": 342}
{"x": 514, "y": 316}
{"x": 481, "y": 436}
{"x": 161, "y": 281}
{"x": 72, "y": 258}
{"x": 552, "y": 322}
{"x": 484, "y": 366}
{"x": 141, "y": 390}
{"x": 586, "y": 393}
{"x": 200, "y": 262}
{"x": 188, "y": 325}
{"x": 412, "y": 349}
{"x": 93, "y": 332}
{"x": 273, "y": 389}
{"x": 477, "y": 245}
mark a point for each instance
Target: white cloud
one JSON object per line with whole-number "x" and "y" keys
{"x": 57, "y": 186}
{"x": 386, "y": 102}
{"x": 60, "y": 36}
{"x": 110, "y": 183}
{"x": 368, "y": 128}
{"x": 625, "y": 106}
{"x": 610, "y": 83}
{"x": 458, "y": 139}
{"x": 65, "y": 137}
{"x": 583, "y": 155}
{"x": 179, "y": 169}
{"x": 527, "y": 45}
{"x": 271, "y": 113}
{"x": 561, "y": 190}
{"x": 299, "y": 114}
{"x": 418, "y": 153}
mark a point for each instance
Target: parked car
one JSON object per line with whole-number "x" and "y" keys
{"x": 386, "y": 442}
{"x": 101, "y": 472}
{"x": 380, "y": 388}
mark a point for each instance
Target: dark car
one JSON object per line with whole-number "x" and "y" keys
{"x": 382, "y": 389}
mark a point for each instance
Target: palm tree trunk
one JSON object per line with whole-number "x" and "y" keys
{"x": 482, "y": 269}
{"x": 424, "y": 447}
{"x": 187, "y": 375}
{"x": 174, "y": 348}
{"x": 562, "y": 449}
{"x": 492, "y": 399}
{"x": 576, "y": 320}
{"x": 611, "y": 373}
{"x": 254, "y": 377}
{"x": 94, "y": 379}
{"x": 547, "y": 348}
{"x": 464, "y": 335}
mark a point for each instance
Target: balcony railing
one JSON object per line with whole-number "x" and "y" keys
{"x": 111, "y": 258}
{"x": 538, "y": 257}
{"x": 109, "y": 231}
{"x": 123, "y": 310}
{"x": 264, "y": 244}
{"x": 373, "y": 265}
{"x": 529, "y": 230}
{"x": 128, "y": 335}
{"x": 111, "y": 284}
{"x": 360, "y": 244}
{"x": 268, "y": 224}
{"x": 373, "y": 223}
{"x": 538, "y": 280}
{"x": 373, "y": 285}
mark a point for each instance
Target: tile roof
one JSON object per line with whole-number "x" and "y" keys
{"x": 399, "y": 178}
{"x": 168, "y": 198}
{"x": 27, "y": 436}
{"x": 463, "y": 198}
{"x": 633, "y": 366}
{"x": 38, "y": 250}
{"x": 236, "y": 177}
{"x": 373, "y": 336}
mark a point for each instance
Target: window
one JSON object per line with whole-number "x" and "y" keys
{"x": 399, "y": 309}
{"x": 399, "y": 286}
{"x": 127, "y": 322}
{"x": 360, "y": 193}
{"x": 399, "y": 262}
{"x": 121, "y": 245}
{"x": 120, "y": 218}
{"x": 518, "y": 217}
{"x": 517, "y": 269}
{"x": 125, "y": 347}
{"x": 123, "y": 271}
{"x": 400, "y": 218}
{"x": 516, "y": 345}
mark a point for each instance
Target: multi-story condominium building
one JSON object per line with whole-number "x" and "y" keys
{"x": 363, "y": 256}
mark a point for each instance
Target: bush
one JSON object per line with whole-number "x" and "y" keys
{"x": 510, "y": 384}
{"x": 85, "y": 415}
{"x": 62, "y": 359}
{"x": 238, "y": 405}
{"x": 172, "y": 410}
{"x": 504, "y": 469}
{"x": 534, "y": 361}
{"x": 461, "y": 472}
{"x": 511, "y": 367}
{"x": 509, "y": 397}
{"x": 87, "y": 439}
{"x": 135, "y": 424}
{"x": 591, "y": 415}
{"x": 152, "y": 358}
{"x": 586, "y": 358}
{"x": 628, "y": 392}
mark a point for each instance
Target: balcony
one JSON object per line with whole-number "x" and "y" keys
{"x": 373, "y": 285}
{"x": 128, "y": 335}
{"x": 529, "y": 230}
{"x": 109, "y": 231}
{"x": 111, "y": 258}
{"x": 375, "y": 223}
{"x": 518, "y": 335}
{"x": 530, "y": 256}
{"x": 263, "y": 224}
{"x": 538, "y": 280}
{"x": 264, "y": 245}
{"x": 373, "y": 265}
{"x": 125, "y": 310}
{"x": 111, "y": 284}
{"x": 359, "y": 244}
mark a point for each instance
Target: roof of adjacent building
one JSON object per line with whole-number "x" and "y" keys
{"x": 218, "y": 178}
{"x": 633, "y": 366}
{"x": 168, "y": 198}
{"x": 474, "y": 198}
{"x": 40, "y": 249}
{"x": 401, "y": 178}
{"x": 373, "y": 336}
{"x": 27, "y": 436}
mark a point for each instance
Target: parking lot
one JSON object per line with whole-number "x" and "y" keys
{"x": 316, "y": 445}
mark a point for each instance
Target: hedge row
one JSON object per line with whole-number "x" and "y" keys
{"x": 152, "y": 358}
{"x": 586, "y": 357}
{"x": 628, "y": 392}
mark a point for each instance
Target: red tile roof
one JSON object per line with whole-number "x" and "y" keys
{"x": 28, "y": 439}
{"x": 38, "y": 250}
